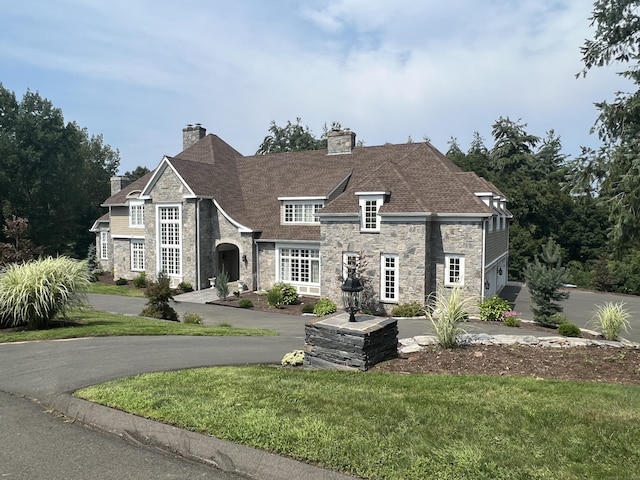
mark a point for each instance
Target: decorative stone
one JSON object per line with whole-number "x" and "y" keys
{"x": 336, "y": 343}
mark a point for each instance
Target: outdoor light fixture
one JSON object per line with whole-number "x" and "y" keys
{"x": 487, "y": 285}
{"x": 244, "y": 259}
{"x": 500, "y": 271}
{"x": 352, "y": 294}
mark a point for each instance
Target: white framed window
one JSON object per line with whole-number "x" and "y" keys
{"x": 453, "y": 270}
{"x": 370, "y": 204}
{"x": 302, "y": 212}
{"x": 136, "y": 214}
{"x": 170, "y": 241}
{"x": 104, "y": 245}
{"x": 389, "y": 277}
{"x": 137, "y": 255}
{"x": 300, "y": 265}
{"x": 349, "y": 260}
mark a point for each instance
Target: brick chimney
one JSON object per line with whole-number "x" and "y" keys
{"x": 191, "y": 134}
{"x": 118, "y": 183}
{"x": 340, "y": 142}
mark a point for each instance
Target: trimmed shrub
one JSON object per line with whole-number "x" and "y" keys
{"x": 93, "y": 267}
{"x": 448, "y": 310}
{"x": 245, "y": 303}
{"x": 411, "y": 309}
{"x": 511, "y": 321}
{"x": 193, "y": 318}
{"x": 222, "y": 284}
{"x": 612, "y": 319}
{"x": 492, "y": 308}
{"x": 510, "y": 318}
{"x": 185, "y": 287}
{"x": 121, "y": 281}
{"x": 140, "y": 281}
{"x": 159, "y": 294}
{"x": 308, "y": 307}
{"x": 568, "y": 329}
{"x": 33, "y": 293}
{"x": 274, "y": 298}
{"x": 289, "y": 293}
{"x": 323, "y": 307}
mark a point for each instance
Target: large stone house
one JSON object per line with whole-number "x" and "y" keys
{"x": 409, "y": 213}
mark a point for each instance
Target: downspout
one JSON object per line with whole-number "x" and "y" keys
{"x": 198, "y": 243}
{"x": 256, "y": 264}
{"x": 482, "y": 263}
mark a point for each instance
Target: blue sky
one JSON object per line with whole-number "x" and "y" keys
{"x": 138, "y": 71}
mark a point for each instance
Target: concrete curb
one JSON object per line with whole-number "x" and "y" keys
{"x": 224, "y": 455}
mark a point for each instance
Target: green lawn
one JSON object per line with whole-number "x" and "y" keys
{"x": 127, "y": 291}
{"x": 401, "y": 426}
{"x": 100, "y": 324}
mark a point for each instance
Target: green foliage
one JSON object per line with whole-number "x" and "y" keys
{"x": 33, "y": 293}
{"x": 492, "y": 308}
{"x": 448, "y": 309}
{"x": 139, "y": 172}
{"x": 275, "y": 298}
{"x": 532, "y": 172}
{"x": 185, "y": 287}
{"x": 222, "y": 284}
{"x": 93, "y": 268}
{"x": 410, "y": 309}
{"x": 140, "y": 281}
{"x": 289, "y": 293}
{"x": 323, "y": 307}
{"x": 611, "y": 173}
{"x": 612, "y": 319}
{"x": 293, "y": 137}
{"x": 510, "y": 320}
{"x": 159, "y": 294}
{"x": 245, "y": 303}
{"x": 567, "y": 329}
{"x": 192, "y": 318}
{"x": 53, "y": 173}
{"x": 293, "y": 359}
{"x": 121, "y": 281}
{"x": 544, "y": 278}
{"x": 308, "y": 307}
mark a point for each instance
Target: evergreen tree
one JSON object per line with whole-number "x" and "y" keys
{"x": 544, "y": 278}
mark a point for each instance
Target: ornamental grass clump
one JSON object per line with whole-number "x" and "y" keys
{"x": 612, "y": 319}
{"x": 33, "y": 293}
{"x": 448, "y": 310}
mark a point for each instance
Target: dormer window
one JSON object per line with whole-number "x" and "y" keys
{"x": 136, "y": 214}
{"x": 303, "y": 211}
{"x": 370, "y": 203}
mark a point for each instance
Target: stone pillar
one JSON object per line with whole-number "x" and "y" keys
{"x": 336, "y": 343}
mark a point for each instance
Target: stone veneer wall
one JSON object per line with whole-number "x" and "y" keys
{"x": 408, "y": 240}
{"x": 223, "y": 231}
{"x": 121, "y": 255}
{"x": 458, "y": 238}
{"x": 267, "y": 265}
{"x": 207, "y": 259}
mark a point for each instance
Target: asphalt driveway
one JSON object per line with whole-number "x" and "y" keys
{"x": 579, "y": 307}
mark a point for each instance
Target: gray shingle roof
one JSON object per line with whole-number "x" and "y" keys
{"x": 419, "y": 178}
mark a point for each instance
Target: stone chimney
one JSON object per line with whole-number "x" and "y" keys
{"x": 191, "y": 134}
{"x": 118, "y": 183}
{"x": 340, "y": 141}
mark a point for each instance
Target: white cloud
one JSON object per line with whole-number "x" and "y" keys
{"x": 139, "y": 71}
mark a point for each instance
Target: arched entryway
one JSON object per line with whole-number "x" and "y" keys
{"x": 228, "y": 257}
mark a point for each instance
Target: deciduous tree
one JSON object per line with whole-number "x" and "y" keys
{"x": 53, "y": 173}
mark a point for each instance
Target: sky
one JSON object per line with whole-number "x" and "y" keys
{"x": 139, "y": 71}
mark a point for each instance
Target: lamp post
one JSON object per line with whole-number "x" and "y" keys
{"x": 352, "y": 294}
